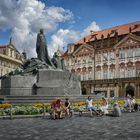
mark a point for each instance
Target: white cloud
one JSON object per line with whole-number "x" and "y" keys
{"x": 64, "y": 37}
{"x": 61, "y": 39}
{"x": 92, "y": 27}
{"x": 26, "y": 17}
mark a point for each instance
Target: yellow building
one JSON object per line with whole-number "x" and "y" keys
{"x": 10, "y": 58}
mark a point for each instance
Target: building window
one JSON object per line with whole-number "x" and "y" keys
{"x": 111, "y": 56}
{"x": 122, "y": 54}
{"x": 84, "y": 61}
{"x": 137, "y": 72}
{"x": 98, "y": 75}
{"x": 84, "y": 76}
{"x": 79, "y": 62}
{"x": 130, "y": 72}
{"x": 98, "y": 57}
{"x": 105, "y": 75}
{"x": 112, "y": 73}
{"x": 137, "y": 53}
{"x": 130, "y": 53}
{"x": 122, "y": 73}
{"x": 112, "y": 93}
{"x": 4, "y": 51}
{"x": 90, "y": 75}
{"x": 1, "y": 72}
{"x": 105, "y": 56}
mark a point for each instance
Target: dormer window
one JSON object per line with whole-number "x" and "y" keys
{"x": 4, "y": 51}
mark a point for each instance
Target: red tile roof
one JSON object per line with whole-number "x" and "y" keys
{"x": 3, "y": 46}
{"x": 123, "y": 29}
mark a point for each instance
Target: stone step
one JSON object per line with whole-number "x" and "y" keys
{"x": 42, "y": 99}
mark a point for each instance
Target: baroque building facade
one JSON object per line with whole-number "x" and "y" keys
{"x": 10, "y": 58}
{"x": 107, "y": 61}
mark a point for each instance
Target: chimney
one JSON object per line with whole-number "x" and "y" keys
{"x": 130, "y": 30}
{"x": 116, "y": 37}
{"x": 108, "y": 40}
{"x": 84, "y": 39}
{"x": 102, "y": 40}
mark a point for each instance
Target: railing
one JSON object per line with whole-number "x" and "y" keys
{"x": 115, "y": 80}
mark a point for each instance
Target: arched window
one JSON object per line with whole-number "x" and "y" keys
{"x": 105, "y": 71}
{"x": 112, "y": 73}
{"x": 137, "y": 53}
{"x": 130, "y": 69}
{"x": 98, "y": 72}
{"x": 129, "y": 53}
{"x": 137, "y": 64}
{"x": 122, "y": 54}
{"x": 122, "y": 72}
{"x": 130, "y": 72}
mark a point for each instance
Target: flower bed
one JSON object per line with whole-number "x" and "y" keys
{"x": 38, "y": 108}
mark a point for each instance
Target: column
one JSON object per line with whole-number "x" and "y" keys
{"x": 116, "y": 90}
{"x": 108, "y": 73}
{"x": 139, "y": 90}
{"x": 108, "y": 92}
{"x": 117, "y": 64}
{"x": 123, "y": 90}
{"x": 136, "y": 89}
{"x": 92, "y": 88}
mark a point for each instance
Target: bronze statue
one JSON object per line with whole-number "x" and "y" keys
{"x": 58, "y": 61}
{"x": 41, "y": 48}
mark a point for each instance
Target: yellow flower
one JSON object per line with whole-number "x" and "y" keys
{"x": 121, "y": 102}
{"x": 41, "y": 105}
{"x": 4, "y": 106}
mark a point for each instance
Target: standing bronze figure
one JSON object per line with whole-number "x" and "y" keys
{"x": 41, "y": 48}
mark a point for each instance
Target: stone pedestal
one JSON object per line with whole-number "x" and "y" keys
{"x": 46, "y": 82}
{"x": 57, "y": 82}
{"x": 17, "y": 85}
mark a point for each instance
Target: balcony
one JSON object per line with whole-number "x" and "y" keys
{"x": 109, "y": 81}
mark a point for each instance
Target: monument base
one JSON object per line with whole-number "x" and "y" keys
{"x": 47, "y": 82}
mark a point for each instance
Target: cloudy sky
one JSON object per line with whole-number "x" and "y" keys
{"x": 64, "y": 21}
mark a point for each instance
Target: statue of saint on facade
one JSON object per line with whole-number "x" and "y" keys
{"x": 41, "y": 48}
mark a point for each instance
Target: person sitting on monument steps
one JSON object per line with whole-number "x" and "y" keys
{"x": 67, "y": 106}
{"x": 104, "y": 107}
{"x": 90, "y": 107}
{"x": 134, "y": 105}
{"x": 116, "y": 112}
{"x": 57, "y": 108}
{"x": 128, "y": 105}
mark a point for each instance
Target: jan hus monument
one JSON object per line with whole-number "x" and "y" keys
{"x": 41, "y": 75}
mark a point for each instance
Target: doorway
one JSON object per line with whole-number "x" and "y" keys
{"x": 84, "y": 91}
{"x": 130, "y": 90}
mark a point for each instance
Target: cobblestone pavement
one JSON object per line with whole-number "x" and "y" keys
{"x": 126, "y": 127}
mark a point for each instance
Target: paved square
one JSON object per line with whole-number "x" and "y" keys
{"x": 126, "y": 127}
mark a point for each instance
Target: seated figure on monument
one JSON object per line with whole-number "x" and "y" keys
{"x": 58, "y": 61}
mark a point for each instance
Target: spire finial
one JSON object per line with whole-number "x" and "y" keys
{"x": 10, "y": 41}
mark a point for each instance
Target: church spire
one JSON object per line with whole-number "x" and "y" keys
{"x": 10, "y": 41}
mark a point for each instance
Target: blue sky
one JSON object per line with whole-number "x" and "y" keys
{"x": 74, "y": 19}
{"x": 106, "y": 13}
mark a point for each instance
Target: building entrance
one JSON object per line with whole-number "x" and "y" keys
{"x": 84, "y": 91}
{"x": 130, "y": 90}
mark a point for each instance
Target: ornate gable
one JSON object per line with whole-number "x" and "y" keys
{"x": 84, "y": 49}
{"x": 129, "y": 40}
